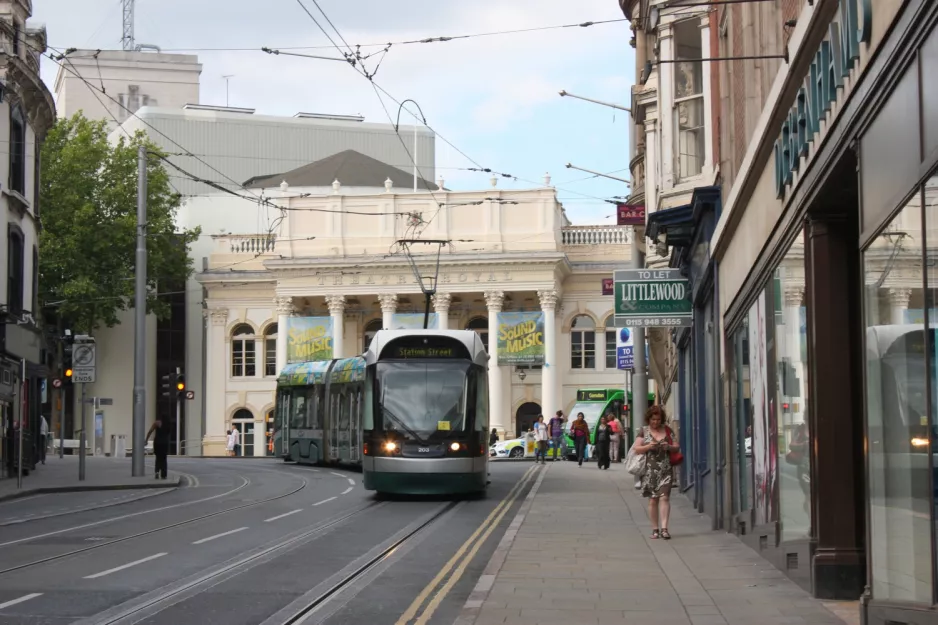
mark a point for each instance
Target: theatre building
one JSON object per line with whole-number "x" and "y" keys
{"x": 828, "y": 287}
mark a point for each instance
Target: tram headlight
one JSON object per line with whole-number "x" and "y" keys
{"x": 390, "y": 447}
{"x": 454, "y": 446}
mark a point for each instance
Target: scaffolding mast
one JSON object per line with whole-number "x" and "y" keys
{"x": 128, "y": 39}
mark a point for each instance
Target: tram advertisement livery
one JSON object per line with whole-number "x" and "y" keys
{"x": 309, "y": 338}
{"x": 521, "y": 338}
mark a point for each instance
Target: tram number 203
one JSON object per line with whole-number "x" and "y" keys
{"x": 423, "y": 450}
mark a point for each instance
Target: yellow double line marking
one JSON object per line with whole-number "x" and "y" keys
{"x": 463, "y": 557}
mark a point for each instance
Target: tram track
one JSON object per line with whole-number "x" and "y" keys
{"x": 99, "y": 545}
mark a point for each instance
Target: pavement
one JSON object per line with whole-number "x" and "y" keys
{"x": 579, "y": 551}
{"x": 60, "y": 475}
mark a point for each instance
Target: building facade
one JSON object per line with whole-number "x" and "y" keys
{"x": 26, "y": 114}
{"x": 825, "y": 413}
{"x": 335, "y": 257}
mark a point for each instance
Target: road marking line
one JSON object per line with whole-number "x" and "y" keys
{"x": 319, "y": 503}
{"x": 503, "y": 506}
{"x": 347, "y": 490}
{"x": 205, "y": 540}
{"x": 351, "y": 481}
{"x": 125, "y": 566}
{"x": 338, "y": 474}
{"x": 280, "y": 516}
{"x": 13, "y": 602}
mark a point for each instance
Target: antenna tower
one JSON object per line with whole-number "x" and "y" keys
{"x": 127, "y": 40}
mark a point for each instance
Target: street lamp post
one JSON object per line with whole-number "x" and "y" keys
{"x": 398, "y": 125}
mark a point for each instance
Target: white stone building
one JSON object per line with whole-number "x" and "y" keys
{"x": 331, "y": 257}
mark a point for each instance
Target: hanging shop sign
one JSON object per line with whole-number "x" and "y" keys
{"x": 836, "y": 57}
{"x": 412, "y": 321}
{"x": 609, "y": 286}
{"x": 309, "y": 338}
{"x": 520, "y": 339}
{"x": 652, "y": 298}
{"x": 630, "y": 214}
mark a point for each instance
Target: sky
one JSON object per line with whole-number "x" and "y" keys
{"x": 494, "y": 98}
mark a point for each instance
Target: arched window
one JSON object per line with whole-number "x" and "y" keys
{"x": 611, "y": 360}
{"x": 481, "y": 326}
{"x": 370, "y": 330}
{"x": 583, "y": 343}
{"x": 270, "y": 350}
{"x": 243, "y": 352}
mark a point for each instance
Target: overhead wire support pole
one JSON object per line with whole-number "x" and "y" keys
{"x": 596, "y": 173}
{"x": 140, "y": 318}
{"x": 398, "y": 125}
{"x": 428, "y": 291}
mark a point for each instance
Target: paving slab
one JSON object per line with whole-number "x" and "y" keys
{"x": 60, "y": 475}
{"x": 580, "y": 551}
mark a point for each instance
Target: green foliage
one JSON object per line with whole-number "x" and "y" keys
{"x": 89, "y": 220}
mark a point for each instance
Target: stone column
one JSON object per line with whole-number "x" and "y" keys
{"x": 550, "y": 376}
{"x": 441, "y": 302}
{"x": 336, "y": 305}
{"x": 388, "y": 303}
{"x": 898, "y": 304}
{"x": 285, "y": 310}
{"x": 217, "y": 368}
{"x": 497, "y": 420}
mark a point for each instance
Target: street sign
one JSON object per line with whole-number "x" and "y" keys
{"x": 650, "y": 298}
{"x": 624, "y": 345}
{"x": 105, "y": 401}
{"x": 56, "y": 383}
{"x": 190, "y": 394}
{"x": 83, "y": 362}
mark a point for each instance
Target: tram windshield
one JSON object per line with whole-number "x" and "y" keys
{"x": 592, "y": 411}
{"x": 426, "y": 400}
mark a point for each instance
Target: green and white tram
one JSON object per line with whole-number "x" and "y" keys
{"x": 425, "y": 418}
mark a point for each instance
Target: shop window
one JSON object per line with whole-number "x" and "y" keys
{"x": 15, "y": 270}
{"x": 900, "y": 426}
{"x": 763, "y": 418}
{"x": 791, "y": 369}
{"x": 17, "y": 150}
{"x": 270, "y": 350}
{"x": 611, "y": 360}
{"x": 370, "y": 330}
{"x": 742, "y": 416}
{"x": 930, "y": 94}
{"x": 930, "y": 198}
{"x": 243, "y": 354}
{"x": 690, "y": 149}
{"x": 583, "y": 343}
{"x": 481, "y": 326}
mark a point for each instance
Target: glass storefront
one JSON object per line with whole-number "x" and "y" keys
{"x": 901, "y": 318}
{"x": 791, "y": 391}
{"x": 741, "y": 399}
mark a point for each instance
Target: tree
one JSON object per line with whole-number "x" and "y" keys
{"x": 89, "y": 219}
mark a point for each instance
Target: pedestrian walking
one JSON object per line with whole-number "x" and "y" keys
{"x": 580, "y": 431}
{"x": 557, "y": 436}
{"x": 541, "y": 436}
{"x": 236, "y": 437}
{"x": 603, "y": 441}
{"x": 43, "y": 437}
{"x": 493, "y": 437}
{"x": 161, "y": 437}
{"x": 656, "y": 442}
{"x": 230, "y": 442}
{"x": 616, "y": 427}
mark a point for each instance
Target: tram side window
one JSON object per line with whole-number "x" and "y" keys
{"x": 368, "y": 410}
{"x": 298, "y": 408}
{"x": 482, "y": 400}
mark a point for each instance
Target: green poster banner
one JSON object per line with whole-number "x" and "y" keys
{"x": 309, "y": 338}
{"x": 521, "y": 338}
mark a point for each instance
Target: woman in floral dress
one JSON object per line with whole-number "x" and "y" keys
{"x": 658, "y": 474}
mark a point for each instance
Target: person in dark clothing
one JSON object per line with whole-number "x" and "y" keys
{"x": 160, "y": 433}
{"x": 603, "y": 440}
{"x": 493, "y": 437}
{"x": 580, "y": 431}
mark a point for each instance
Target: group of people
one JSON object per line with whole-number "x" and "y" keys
{"x": 608, "y": 434}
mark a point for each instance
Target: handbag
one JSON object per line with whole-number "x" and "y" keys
{"x": 675, "y": 455}
{"x": 635, "y": 463}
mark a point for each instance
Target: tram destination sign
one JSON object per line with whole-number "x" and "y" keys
{"x": 651, "y": 298}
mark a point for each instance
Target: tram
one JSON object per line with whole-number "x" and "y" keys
{"x": 596, "y": 402}
{"x": 412, "y": 412}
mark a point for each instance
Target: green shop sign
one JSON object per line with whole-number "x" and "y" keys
{"x": 836, "y": 57}
{"x": 652, "y": 298}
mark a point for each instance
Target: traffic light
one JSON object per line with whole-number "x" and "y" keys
{"x": 67, "y": 362}
{"x": 180, "y": 385}
{"x": 168, "y": 385}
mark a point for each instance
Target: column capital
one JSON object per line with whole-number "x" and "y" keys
{"x": 388, "y": 302}
{"x": 494, "y": 300}
{"x": 284, "y": 305}
{"x": 900, "y": 297}
{"x": 219, "y": 316}
{"x": 336, "y": 304}
{"x": 794, "y": 295}
{"x": 549, "y": 299}
{"x": 441, "y": 302}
